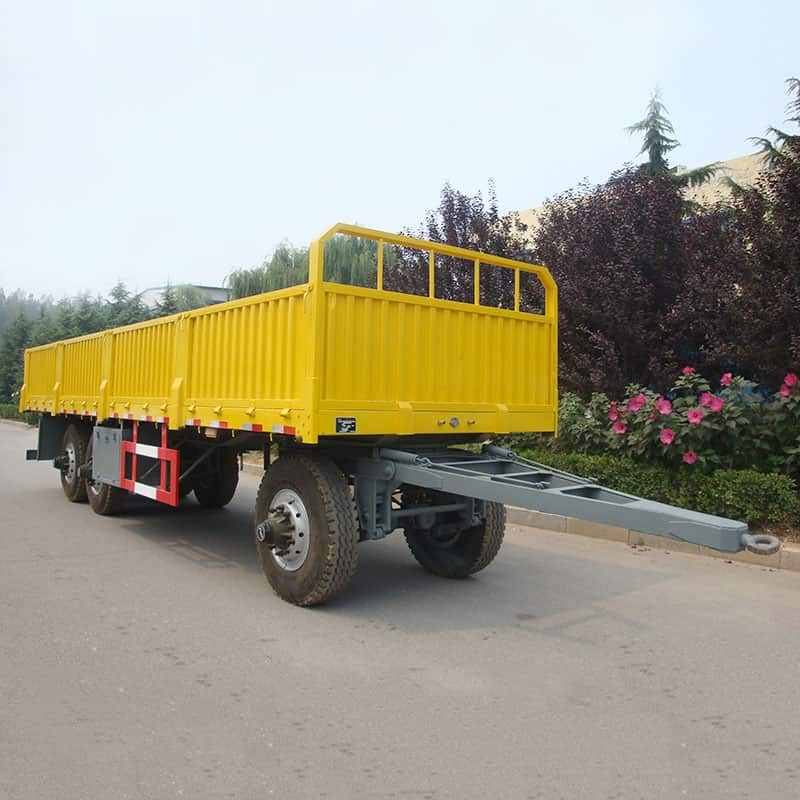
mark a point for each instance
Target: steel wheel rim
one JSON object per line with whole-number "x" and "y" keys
{"x": 288, "y": 500}
{"x": 72, "y": 459}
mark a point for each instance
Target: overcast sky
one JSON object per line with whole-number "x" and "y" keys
{"x": 150, "y": 141}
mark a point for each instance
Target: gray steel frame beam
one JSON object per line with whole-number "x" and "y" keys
{"x": 510, "y": 481}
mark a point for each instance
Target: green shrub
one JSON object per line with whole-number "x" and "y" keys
{"x": 747, "y": 495}
{"x": 10, "y": 411}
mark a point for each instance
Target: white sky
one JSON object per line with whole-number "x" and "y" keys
{"x": 177, "y": 140}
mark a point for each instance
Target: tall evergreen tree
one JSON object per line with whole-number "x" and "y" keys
{"x": 15, "y": 340}
{"x": 168, "y": 304}
{"x": 658, "y": 140}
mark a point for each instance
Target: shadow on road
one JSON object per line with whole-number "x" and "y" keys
{"x": 524, "y": 587}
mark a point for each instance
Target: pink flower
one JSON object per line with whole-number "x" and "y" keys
{"x": 694, "y": 416}
{"x": 689, "y": 457}
{"x": 717, "y": 404}
{"x": 667, "y": 436}
{"x": 785, "y": 391}
{"x": 726, "y": 379}
{"x": 688, "y": 370}
{"x": 664, "y": 406}
{"x": 705, "y": 399}
{"x": 791, "y": 379}
{"x": 637, "y": 403}
{"x": 619, "y": 427}
{"x": 613, "y": 414}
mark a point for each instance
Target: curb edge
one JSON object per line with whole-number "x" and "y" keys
{"x": 787, "y": 558}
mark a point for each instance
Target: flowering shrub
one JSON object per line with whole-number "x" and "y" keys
{"x": 729, "y": 426}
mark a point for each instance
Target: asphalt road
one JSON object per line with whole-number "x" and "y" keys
{"x": 145, "y": 656}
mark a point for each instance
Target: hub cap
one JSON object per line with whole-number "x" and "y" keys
{"x": 289, "y": 501}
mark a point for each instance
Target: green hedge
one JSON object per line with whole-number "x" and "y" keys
{"x": 744, "y": 494}
{"x": 10, "y": 411}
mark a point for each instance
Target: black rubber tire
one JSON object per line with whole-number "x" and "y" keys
{"x": 105, "y": 499}
{"x": 75, "y": 441}
{"x": 333, "y": 529}
{"x": 469, "y": 551}
{"x": 219, "y": 488}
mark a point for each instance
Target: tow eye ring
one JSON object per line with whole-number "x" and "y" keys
{"x": 761, "y": 543}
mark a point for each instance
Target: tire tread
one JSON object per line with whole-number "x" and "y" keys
{"x": 341, "y": 558}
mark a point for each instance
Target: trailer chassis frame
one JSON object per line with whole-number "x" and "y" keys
{"x": 465, "y": 481}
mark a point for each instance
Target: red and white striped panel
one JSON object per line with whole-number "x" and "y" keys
{"x": 252, "y": 426}
{"x": 159, "y": 493}
{"x": 289, "y": 430}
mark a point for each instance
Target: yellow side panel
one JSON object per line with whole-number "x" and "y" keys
{"x": 42, "y": 370}
{"x": 40, "y": 378}
{"x": 242, "y": 364}
{"x": 80, "y": 370}
{"x": 404, "y": 364}
{"x": 249, "y": 352}
{"x": 142, "y": 362}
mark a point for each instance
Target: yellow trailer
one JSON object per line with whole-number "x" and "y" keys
{"x": 363, "y": 389}
{"x": 322, "y": 359}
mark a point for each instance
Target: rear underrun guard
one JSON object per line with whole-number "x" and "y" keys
{"x": 500, "y": 476}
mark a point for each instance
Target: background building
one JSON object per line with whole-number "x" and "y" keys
{"x": 200, "y": 295}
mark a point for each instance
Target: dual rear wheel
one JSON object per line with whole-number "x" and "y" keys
{"x": 77, "y": 452}
{"x": 214, "y": 489}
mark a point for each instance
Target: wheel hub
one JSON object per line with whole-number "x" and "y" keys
{"x": 286, "y": 530}
{"x": 70, "y": 463}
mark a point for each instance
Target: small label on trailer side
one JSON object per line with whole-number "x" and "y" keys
{"x": 345, "y": 424}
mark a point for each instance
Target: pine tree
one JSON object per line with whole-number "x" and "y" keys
{"x": 15, "y": 340}
{"x": 658, "y": 141}
{"x": 168, "y": 304}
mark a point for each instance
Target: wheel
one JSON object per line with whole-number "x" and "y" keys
{"x": 216, "y": 489}
{"x": 306, "y": 529}
{"x": 443, "y": 548}
{"x": 74, "y": 446}
{"x": 104, "y": 498}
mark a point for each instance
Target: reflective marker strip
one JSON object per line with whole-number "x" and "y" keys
{"x": 193, "y": 423}
{"x": 287, "y": 429}
{"x": 144, "y": 489}
{"x": 148, "y": 450}
{"x": 218, "y": 423}
{"x": 252, "y": 426}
